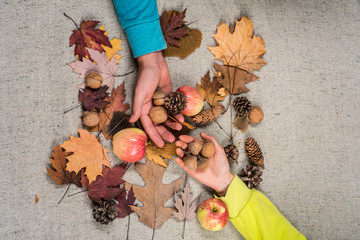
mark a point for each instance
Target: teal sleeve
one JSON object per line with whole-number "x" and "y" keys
{"x": 140, "y": 20}
{"x": 254, "y": 215}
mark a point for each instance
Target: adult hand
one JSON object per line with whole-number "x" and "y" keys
{"x": 152, "y": 73}
{"x": 217, "y": 174}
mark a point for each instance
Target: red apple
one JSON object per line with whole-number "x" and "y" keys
{"x": 213, "y": 214}
{"x": 195, "y": 102}
{"x": 129, "y": 144}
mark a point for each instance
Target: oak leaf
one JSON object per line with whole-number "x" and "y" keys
{"x": 93, "y": 99}
{"x": 88, "y": 37}
{"x": 116, "y": 104}
{"x": 107, "y": 186}
{"x": 124, "y": 200}
{"x": 153, "y": 195}
{"x": 107, "y": 68}
{"x": 88, "y": 153}
{"x": 234, "y": 79}
{"x": 173, "y": 26}
{"x": 210, "y": 90}
{"x": 157, "y": 154}
{"x": 240, "y": 48}
{"x": 112, "y": 51}
{"x": 58, "y": 172}
{"x": 185, "y": 205}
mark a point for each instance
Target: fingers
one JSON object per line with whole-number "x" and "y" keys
{"x": 139, "y": 98}
{"x": 183, "y": 166}
{"x": 173, "y": 125}
{"x": 151, "y": 131}
{"x": 180, "y": 152}
{"x": 181, "y": 144}
{"x": 187, "y": 139}
{"x": 180, "y": 117}
{"x": 165, "y": 134}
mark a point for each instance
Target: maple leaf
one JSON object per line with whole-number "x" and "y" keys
{"x": 157, "y": 154}
{"x": 107, "y": 186}
{"x": 58, "y": 172}
{"x": 154, "y": 195}
{"x": 210, "y": 90}
{"x": 93, "y": 99}
{"x": 88, "y": 37}
{"x": 88, "y": 153}
{"x": 239, "y": 48}
{"x": 105, "y": 67}
{"x": 116, "y": 104}
{"x": 173, "y": 26}
{"x": 124, "y": 199}
{"x": 116, "y": 47}
{"x": 186, "y": 207}
{"x": 234, "y": 79}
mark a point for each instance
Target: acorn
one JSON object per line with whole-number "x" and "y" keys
{"x": 90, "y": 119}
{"x": 191, "y": 161}
{"x": 208, "y": 149}
{"x": 93, "y": 80}
{"x": 256, "y": 115}
{"x": 202, "y": 162}
{"x": 195, "y": 147}
{"x": 158, "y": 114}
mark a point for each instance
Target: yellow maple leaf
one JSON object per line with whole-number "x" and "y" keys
{"x": 88, "y": 153}
{"x": 116, "y": 47}
{"x": 240, "y": 47}
{"x": 209, "y": 90}
{"x": 156, "y": 154}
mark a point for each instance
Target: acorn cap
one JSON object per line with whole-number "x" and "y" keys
{"x": 191, "y": 161}
{"x": 195, "y": 147}
{"x": 159, "y": 94}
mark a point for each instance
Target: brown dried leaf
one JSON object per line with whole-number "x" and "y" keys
{"x": 153, "y": 195}
{"x": 241, "y": 123}
{"x": 156, "y": 154}
{"x": 185, "y": 205}
{"x": 210, "y": 90}
{"x": 234, "y": 79}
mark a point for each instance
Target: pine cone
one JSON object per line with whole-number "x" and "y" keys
{"x": 105, "y": 212}
{"x": 208, "y": 115}
{"x": 175, "y": 102}
{"x": 254, "y": 152}
{"x": 251, "y": 176}
{"x": 232, "y": 153}
{"x": 242, "y": 106}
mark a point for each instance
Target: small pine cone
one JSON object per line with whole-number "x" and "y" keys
{"x": 175, "y": 102}
{"x": 254, "y": 152}
{"x": 232, "y": 153}
{"x": 105, "y": 212}
{"x": 242, "y": 106}
{"x": 208, "y": 115}
{"x": 251, "y": 176}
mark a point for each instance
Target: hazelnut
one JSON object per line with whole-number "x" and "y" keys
{"x": 93, "y": 80}
{"x": 195, "y": 147}
{"x": 90, "y": 119}
{"x": 158, "y": 114}
{"x": 159, "y": 94}
{"x": 256, "y": 115}
{"x": 208, "y": 149}
{"x": 191, "y": 162}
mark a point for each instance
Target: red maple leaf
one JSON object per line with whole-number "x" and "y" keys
{"x": 105, "y": 187}
{"x": 172, "y": 23}
{"x": 93, "y": 98}
{"x": 125, "y": 199}
{"x": 88, "y": 37}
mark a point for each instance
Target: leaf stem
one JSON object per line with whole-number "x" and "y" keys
{"x": 128, "y": 228}
{"x": 72, "y": 21}
{"x": 123, "y": 75}
{"x": 115, "y": 126}
{"x": 65, "y": 193}
{"x": 153, "y": 235}
{"x": 77, "y": 193}
{"x": 72, "y": 108}
{"x": 183, "y": 233}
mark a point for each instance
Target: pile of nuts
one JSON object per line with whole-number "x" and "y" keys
{"x": 198, "y": 154}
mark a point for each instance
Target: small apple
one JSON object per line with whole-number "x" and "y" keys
{"x": 195, "y": 102}
{"x": 129, "y": 144}
{"x": 213, "y": 214}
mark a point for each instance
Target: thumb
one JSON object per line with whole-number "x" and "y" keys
{"x": 138, "y": 101}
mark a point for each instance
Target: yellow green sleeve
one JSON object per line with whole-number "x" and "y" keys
{"x": 254, "y": 215}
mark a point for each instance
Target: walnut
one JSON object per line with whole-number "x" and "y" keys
{"x": 195, "y": 147}
{"x": 191, "y": 162}
{"x": 208, "y": 149}
{"x": 90, "y": 119}
{"x": 158, "y": 114}
{"x": 256, "y": 115}
{"x": 93, "y": 80}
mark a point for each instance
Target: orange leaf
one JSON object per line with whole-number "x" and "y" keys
{"x": 239, "y": 48}
{"x": 88, "y": 152}
{"x": 210, "y": 90}
{"x": 36, "y": 199}
{"x": 156, "y": 154}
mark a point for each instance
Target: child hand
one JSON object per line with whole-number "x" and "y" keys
{"x": 217, "y": 174}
